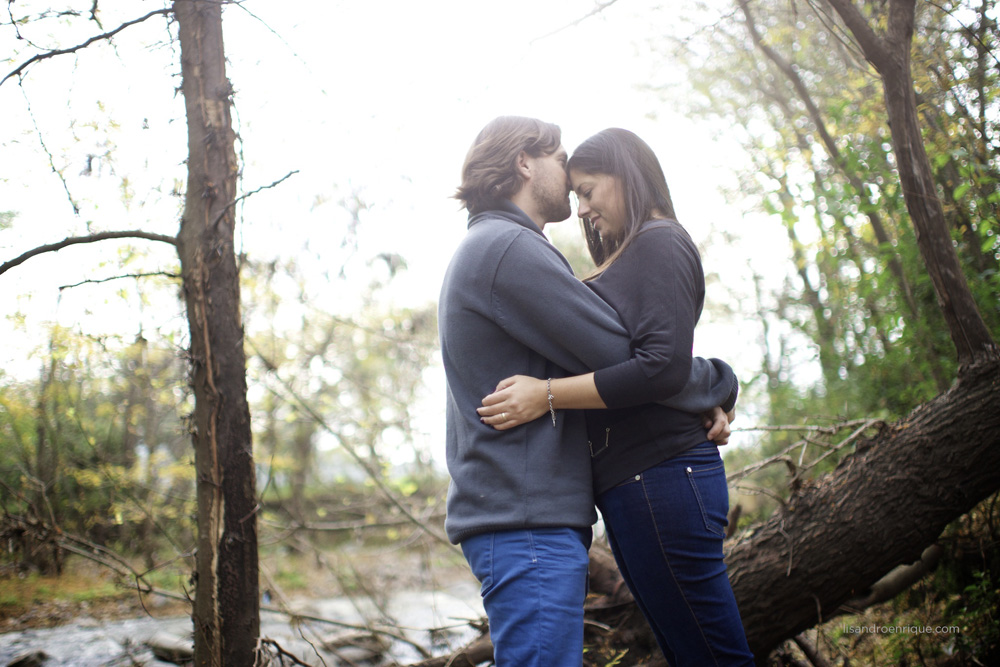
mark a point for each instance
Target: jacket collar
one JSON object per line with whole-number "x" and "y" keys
{"x": 507, "y": 210}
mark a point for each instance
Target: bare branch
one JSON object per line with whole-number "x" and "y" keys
{"x": 282, "y": 653}
{"x": 870, "y": 42}
{"x": 601, "y": 6}
{"x": 93, "y": 15}
{"x": 898, "y": 580}
{"x": 73, "y": 49}
{"x": 789, "y": 70}
{"x": 476, "y": 652}
{"x": 968, "y": 30}
{"x": 345, "y": 526}
{"x": 93, "y": 238}
{"x": 810, "y": 650}
{"x": 835, "y": 428}
{"x": 165, "y": 274}
{"x": 859, "y": 425}
{"x": 822, "y": 11}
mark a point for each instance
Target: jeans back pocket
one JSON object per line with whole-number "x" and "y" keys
{"x": 712, "y": 497}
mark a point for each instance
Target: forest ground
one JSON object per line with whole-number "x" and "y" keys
{"x": 87, "y": 590}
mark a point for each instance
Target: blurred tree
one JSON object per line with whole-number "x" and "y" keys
{"x": 94, "y": 456}
{"x": 362, "y": 373}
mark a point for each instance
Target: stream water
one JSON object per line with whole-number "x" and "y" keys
{"x": 85, "y": 642}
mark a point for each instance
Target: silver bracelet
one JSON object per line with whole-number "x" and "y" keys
{"x": 548, "y": 390}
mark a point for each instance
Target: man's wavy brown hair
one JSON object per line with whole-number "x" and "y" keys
{"x": 489, "y": 174}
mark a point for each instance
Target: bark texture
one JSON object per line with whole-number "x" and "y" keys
{"x": 226, "y": 611}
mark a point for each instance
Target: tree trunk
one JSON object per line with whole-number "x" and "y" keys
{"x": 226, "y": 611}
{"x": 46, "y": 555}
{"x": 869, "y": 207}
{"x": 890, "y": 55}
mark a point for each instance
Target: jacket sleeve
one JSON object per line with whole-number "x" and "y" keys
{"x": 712, "y": 382}
{"x": 538, "y": 301}
{"x": 657, "y": 287}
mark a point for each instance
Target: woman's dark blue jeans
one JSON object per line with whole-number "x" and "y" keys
{"x": 666, "y": 528}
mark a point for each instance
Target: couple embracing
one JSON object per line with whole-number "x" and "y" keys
{"x": 563, "y": 395}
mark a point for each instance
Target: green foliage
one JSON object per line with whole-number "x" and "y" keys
{"x": 975, "y": 612}
{"x": 99, "y": 445}
{"x": 292, "y": 579}
{"x": 857, "y": 293}
{"x": 87, "y": 448}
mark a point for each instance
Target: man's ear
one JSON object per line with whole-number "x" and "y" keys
{"x": 524, "y": 165}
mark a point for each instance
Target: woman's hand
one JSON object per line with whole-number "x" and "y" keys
{"x": 517, "y": 400}
{"x": 717, "y": 425}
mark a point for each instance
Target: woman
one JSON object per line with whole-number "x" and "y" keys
{"x": 660, "y": 484}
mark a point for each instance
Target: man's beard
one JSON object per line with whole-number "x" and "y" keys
{"x": 553, "y": 201}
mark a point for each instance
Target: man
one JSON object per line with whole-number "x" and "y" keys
{"x": 520, "y": 501}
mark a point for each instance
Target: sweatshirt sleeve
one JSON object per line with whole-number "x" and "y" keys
{"x": 712, "y": 382}
{"x": 657, "y": 287}
{"x": 538, "y": 301}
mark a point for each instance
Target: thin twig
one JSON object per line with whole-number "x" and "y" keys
{"x": 45, "y": 148}
{"x": 788, "y": 539}
{"x": 342, "y": 526}
{"x": 283, "y": 601}
{"x": 846, "y": 441}
{"x": 253, "y": 192}
{"x": 752, "y": 490}
{"x": 282, "y": 653}
{"x": 601, "y": 6}
{"x": 967, "y": 29}
{"x": 130, "y": 275}
{"x": 87, "y": 549}
{"x": 834, "y": 428}
{"x": 860, "y": 426}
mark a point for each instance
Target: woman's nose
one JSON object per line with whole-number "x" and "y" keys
{"x": 582, "y": 209}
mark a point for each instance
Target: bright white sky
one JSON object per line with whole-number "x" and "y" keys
{"x": 381, "y": 99}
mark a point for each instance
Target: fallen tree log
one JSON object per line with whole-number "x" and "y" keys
{"x": 881, "y": 507}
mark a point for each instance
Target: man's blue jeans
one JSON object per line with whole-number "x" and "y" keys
{"x": 666, "y": 528}
{"x": 534, "y": 583}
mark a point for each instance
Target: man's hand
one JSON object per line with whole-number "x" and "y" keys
{"x": 717, "y": 424}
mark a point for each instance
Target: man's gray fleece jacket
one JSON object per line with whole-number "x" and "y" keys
{"x": 510, "y": 305}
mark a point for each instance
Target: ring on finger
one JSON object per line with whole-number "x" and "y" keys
{"x": 503, "y": 415}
